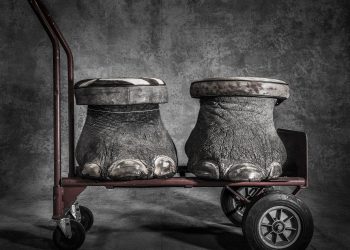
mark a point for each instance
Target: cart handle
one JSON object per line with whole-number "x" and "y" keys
{"x": 57, "y": 38}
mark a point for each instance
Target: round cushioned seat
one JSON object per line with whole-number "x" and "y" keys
{"x": 120, "y": 91}
{"x": 123, "y": 137}
{"x": 240, "y": 86}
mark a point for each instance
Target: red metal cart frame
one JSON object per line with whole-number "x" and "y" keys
{"x": 67, "y": 189}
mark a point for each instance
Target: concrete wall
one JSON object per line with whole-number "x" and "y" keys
{"x": 305, "y": 43}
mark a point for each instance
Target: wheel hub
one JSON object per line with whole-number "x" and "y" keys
{"x": 278, "y": 227}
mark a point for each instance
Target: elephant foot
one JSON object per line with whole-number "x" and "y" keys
{"x": 207, "y": 170}
{"x": 91, "y": 170}
{"x": 164, "y": 167}
{"x": 245, "y": 172}
{"x": 127, "y": 170}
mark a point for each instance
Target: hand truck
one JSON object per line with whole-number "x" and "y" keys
{"x": 270, "y": 219}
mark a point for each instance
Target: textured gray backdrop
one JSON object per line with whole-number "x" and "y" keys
{"x": 305, "y": 43}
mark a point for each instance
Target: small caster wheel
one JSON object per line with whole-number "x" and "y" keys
{"x": 278, "y": 221}
{"x": 232, "y": 207}
{"x": 86, "y": 218}
{"x": 74, "y": 242}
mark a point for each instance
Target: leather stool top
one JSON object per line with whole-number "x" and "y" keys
{"x": 240, "y": 86}
{"x": 120, "y": 91}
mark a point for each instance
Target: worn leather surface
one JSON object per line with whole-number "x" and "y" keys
{"x": 236, "y": 134}
{"x": 121, "y": 96}
{"x": 240, "y": 86}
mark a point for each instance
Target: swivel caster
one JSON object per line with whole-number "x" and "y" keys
{"x": 232, "y": 206}
{"x": 83, "y": 215}
{"x": 69, "y": 234}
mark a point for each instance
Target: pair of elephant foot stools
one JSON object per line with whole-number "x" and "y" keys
{"x": 234, "y": 138}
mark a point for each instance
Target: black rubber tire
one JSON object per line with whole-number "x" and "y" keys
{"x": 77, "y": 239}
{"x": 268, "y": 191}
{"x": 269, "y": 201}
{"x": 87, "y": 218}
{"x": 232, "y": 207}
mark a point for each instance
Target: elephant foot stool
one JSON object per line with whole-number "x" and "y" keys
{"x": 235, "y": 138}
{"x": 123, "y": 137}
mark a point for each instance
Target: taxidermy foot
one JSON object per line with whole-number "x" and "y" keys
{"x": 235, "y": 139}
{"x": 120, "y": 145}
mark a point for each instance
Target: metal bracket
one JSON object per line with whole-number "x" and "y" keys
{"x": 64, "y": 225}
{"x": 237, "y": 195}
{"x": 75, "y": 211}
{"x": 296, "y": 190}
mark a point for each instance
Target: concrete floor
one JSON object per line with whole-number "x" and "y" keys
{"x": 171, "y": 218}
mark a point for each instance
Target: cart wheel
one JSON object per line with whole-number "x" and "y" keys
{"x": 77, "y": 239}
{"x": 278, "y": 221}
{"x": 234, "y": 208}
{"x": 87, "y": 218}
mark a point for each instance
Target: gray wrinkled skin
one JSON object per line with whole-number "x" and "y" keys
{"x": 123, "y": 142}
{"x": 235, "y": 139}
